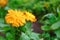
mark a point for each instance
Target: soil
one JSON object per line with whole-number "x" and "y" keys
{"x": 37, "y": 27}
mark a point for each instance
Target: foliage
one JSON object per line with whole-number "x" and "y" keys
{"x": 46, "y": 11}
{"x": 51, "y": 26}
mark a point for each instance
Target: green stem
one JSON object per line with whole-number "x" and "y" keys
{"x": 1, "y": 12}
{"x": 17, "y": 34}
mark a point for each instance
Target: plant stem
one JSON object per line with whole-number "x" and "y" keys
{"x": 17, "y": 34}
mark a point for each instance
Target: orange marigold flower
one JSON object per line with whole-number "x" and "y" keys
{"x": 3, "y": 3}
{"x": 16, "y": 18}
{"x": 30, "y": 17}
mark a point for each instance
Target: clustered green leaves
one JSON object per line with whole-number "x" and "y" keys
{"x": 51, "y": 26}
{"x": 47, "y": 12}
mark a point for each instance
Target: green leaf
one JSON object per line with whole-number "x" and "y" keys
{"x": 34, "y": 36}
{"x": 3, "y": 25}
{"x": 57, "y": 32}
{"x": 1, "y": 38}
{"x": 46, "y": 35}
{"x": 27, "y": 26}
{"x": 6, "y": 8}
{"x": 55, "y": 25}
{"x": 24, "y": 37}
{"x": 49, "y": 18}
{"x": 9, "y": 36}
{"x": 56, "y": 39}
{"x": 6, "y": 29}
{"x": 46, "y": 28}
{"x": 1, "y": 20}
